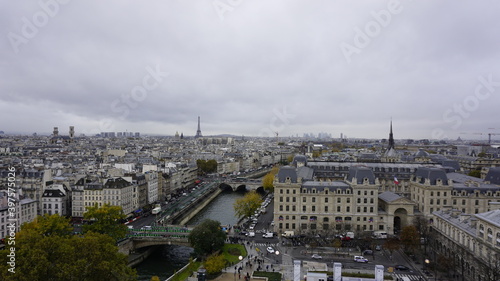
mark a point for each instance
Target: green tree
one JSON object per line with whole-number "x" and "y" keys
{"x": 55, "y": 255}
{"x": 207, "y": 237}
{"x": 475, "y": 173}
{"x": 246, "y": 206}
{"x": 214, "y": 264}
{"x": 410, "y": 238}
{"x": 155, "y": 278}
{"x": 206, "y": 166}
{"x": 105, "y": 220}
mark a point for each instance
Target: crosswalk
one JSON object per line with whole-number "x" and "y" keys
{"x": 401, "y": 277}
{"x": 265, "y": 244}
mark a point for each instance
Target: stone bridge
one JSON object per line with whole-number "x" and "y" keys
{"x": 247, "y": 184}
{"x": 169, "y": 235}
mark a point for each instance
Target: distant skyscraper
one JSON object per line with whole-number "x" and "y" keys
{"x": 55, "y": 133}
{"x": 71, "y": 131}
{"x": 198, "y": 132}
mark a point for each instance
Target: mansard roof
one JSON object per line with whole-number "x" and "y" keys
{"x": 287, "y": 172}
{"x": 493, "y": 175}
{"x": 116, "y": 183}
{"x": 305, "y": 173}
{"x": 432, "y": 174}
{"x": 360, "y": 173}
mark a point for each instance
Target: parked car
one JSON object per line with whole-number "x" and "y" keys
{"x": 368, "y": 252}
{"x": 378, "y": 248}
{"x": 316, "y": 257}
{"x": 360, "y": 259}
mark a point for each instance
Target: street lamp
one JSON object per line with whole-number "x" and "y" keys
{"x": 277, "y": 253}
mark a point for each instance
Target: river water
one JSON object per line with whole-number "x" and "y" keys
{"x": 167, "y": 259}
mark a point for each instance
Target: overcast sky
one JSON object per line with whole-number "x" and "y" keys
{"x": 251, "y": 67}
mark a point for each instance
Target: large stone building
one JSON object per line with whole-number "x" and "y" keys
{"x": 308, "y": 206}
{"x": 311, "y": 197}
{"x": 469, "y": 243}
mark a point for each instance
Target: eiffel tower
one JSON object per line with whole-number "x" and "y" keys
{"x": 198, "y": 132}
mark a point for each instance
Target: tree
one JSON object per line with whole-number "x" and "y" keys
{"x": 155, "y": 278}
{"x": 410, "y": 238}
{"x": 206, "y": 166}
{"x": 475, "y": 173}
{"x": 392, "y": 244}
{"x": 268, "y": 179}
{"x": 44, "y": 254}
{"x": 246, "y": 206}
{"x": 214, "y": 264}
{"x": 207, "y": 237}
{"x": 422, "y": 225}
{"x": 105, "y": 220}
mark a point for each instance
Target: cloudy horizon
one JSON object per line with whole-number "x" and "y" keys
{"x": 252, "y": 68}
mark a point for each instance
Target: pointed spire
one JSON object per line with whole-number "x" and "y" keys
{"x": 391, "y": 139}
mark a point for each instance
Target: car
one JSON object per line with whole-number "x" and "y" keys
{"x": 401, "y": 267}
{"x": 368, "y": 252}
{"x": 316, "y": 257}
{"x": 251, "y": 234}
{"x": 378, "y": 248}
{"x": 360, "y": 259}
{"x": 270, "y": 250}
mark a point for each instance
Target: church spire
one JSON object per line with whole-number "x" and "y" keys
{"x": 391, "y": 139}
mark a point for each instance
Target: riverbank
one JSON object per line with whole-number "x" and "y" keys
{"x": 135, "y": 259}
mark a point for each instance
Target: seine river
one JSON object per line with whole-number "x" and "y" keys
{"x": 167, "y": 259}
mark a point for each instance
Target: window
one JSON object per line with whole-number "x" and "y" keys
{"x": 281, "y": 198}
{"x": 326, "y": 200}
{"x": 313, "y": 208}
{"x": 313, "y": 199}
{"x": 358, "y": 209}
{"x": 281, "y": 208}
{"x": 294, "y": 199}
{"x": 304, "y": 199}
{"x": 359, "y": 200}
{"x": 347, "y": 209}
{"x": 339, "y": 200}
{"x": 303, "y": 208}
{"x": 365, "y": 200}
{"x": 338, "y": 208}
{"x": 348, "y": 200}
{"x": 287, "y": 208}
{"x": 293, "y": 208}
{"x": 326, "y": 209}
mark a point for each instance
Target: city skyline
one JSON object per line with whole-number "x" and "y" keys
{"x": 252, "y": 68}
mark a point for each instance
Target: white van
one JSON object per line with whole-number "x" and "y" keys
{"x": 380, "y": 235}
{"x": 268, "y": 235}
